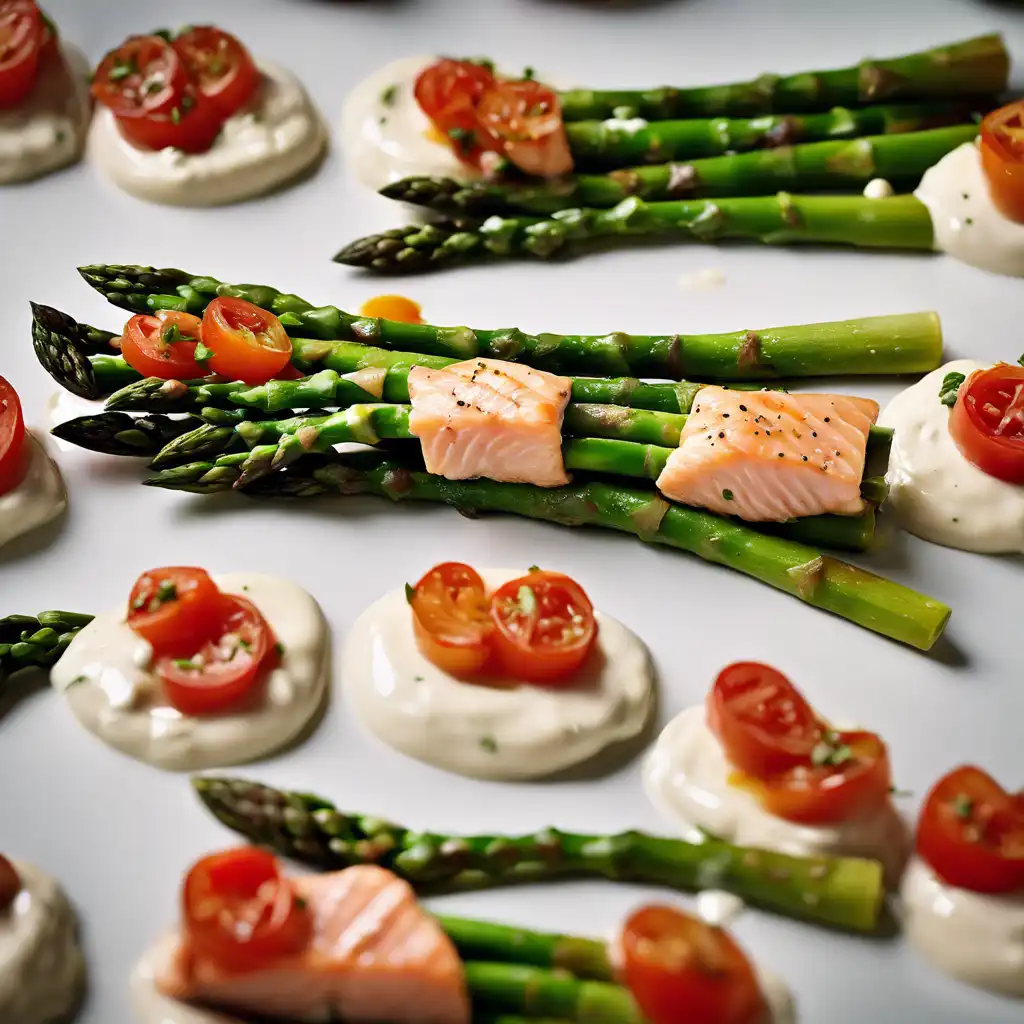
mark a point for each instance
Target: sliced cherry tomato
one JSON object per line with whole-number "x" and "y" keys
{"x": 448, "y": 93}
{"x": 681, "y": 969}
{"x": 219, "y": 66}
{"x": 175, "y": 609}
{"x": 13, "y": 449}
{"x": 451, "y": 620}
{"x": 527, "y": 119}
{"x": 971, "y": 832}
{"x": 191, "y": 125}
{"x": 248, "y": 343}
{"x": 241, "y": 912}
{"x": 227, "y": 668}
{"x": 392, "y": 307}
{"x": 163, "y": 345}
{"x": 987, "y": 422}
{"x": 1002, "y": 158}
{"x": 761, "y": 719}
{"x": 144, "y": 76}
{"x": 21, "y": 37}
{"x": 10, "y": 883}
{"x": 544, "y": 627}
{"x": 49, "y": 47}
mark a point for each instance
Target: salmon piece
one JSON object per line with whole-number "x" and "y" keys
{"x": 375, "y": 957}
{"x": 766, "y": 456}
{"x": 490, "y": 418}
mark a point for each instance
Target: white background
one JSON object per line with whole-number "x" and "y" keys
{"x": 119, "y": 834}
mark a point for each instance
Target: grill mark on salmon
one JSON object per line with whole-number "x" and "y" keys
{"x": 768, "y": 456}
{"x": 490, "y": 418}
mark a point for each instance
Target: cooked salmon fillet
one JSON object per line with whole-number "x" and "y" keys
{"x": 489, "y": 418}
{"x": 375, "y": 958}
{"x": 766, "y": 456}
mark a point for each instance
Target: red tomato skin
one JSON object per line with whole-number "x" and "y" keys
{"x": 14, "y": 450}
{"x": 448, "y": 92}
{"x": 202, "y": 48}
{"x": 532, "y": 661}
{"x": 181, "y": 623}
{"x": 256, "y": 361}
{"x": 980, "y": 846}
{"x": 10, "y": 883}
{"x": 1002, "y": 160}
{"x": 1000, "y": 456}
{"x": 19, "y": 60}
{"x": 192, "y": 126}
{"x": 156, "y": 87}
{"x": 144, "y": 349}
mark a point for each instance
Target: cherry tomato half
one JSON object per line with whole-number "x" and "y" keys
{"x": 761, "y": 719}
{"x": 21, "y": 37}
{"x": 219, "y": 66}
{"x": 1002, "y": 158}
{"x": 163, "y": 345}
{"x": 544, "y": 627}
{"x": 527, "y": 119}
{"x": 987, "y": 422}
{"x": 681, "y": 969}
{"x": 448, "y": 93}
{"x": 10, "y": 883}
{"x": 240, "y": 911}
{"x": 175, "y": 609}
{"x": 248, "y": 343}
{"x": 226, "y": 669}
{"x": 142, "y": 77}
{"x": 392, "y": 307}
{"x": 191, "y": 125}
{"x": 451, "y": 621}
{"x": 13, "y": 449}
{"x": 971, "y": 832}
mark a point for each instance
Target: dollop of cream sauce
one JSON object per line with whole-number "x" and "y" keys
{"x": 973, "y": 936}
{"x": 37, "y": 500}
{"x": 686, "y": 777}
{"x": 933, "y": 490}
{"x": 386, "y": 136}
{"x": 502, "y": 729}
{"x": 41, "y": 966}
{"x": 966, "y": 222}
{"x": 48, "y": 130}
{"x": 106, "y": 678}
{"x": 266, "y": 145}
{"x": 878, "y": 188}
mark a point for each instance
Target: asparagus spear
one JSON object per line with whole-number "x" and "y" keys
{"x": 606, "y": 145}
{"x": 36, "y": 641}
{"x": 842, "y": 892}
{"x": 900, "y": 222}
{"x": 901, "y": 159}
{"x": 975, "y": 67}
{"x": 909, "y": 343}
{"x": 117, "y": 433}
{"x": 855, "y": 594}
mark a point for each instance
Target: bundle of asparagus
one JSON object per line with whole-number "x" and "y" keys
{"x": 745, "y": 163}
{"x": 36, "y": 641}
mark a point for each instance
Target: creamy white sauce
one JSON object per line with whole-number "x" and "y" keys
{"x": 386, "y": 136}
{"x": 624, "y": 125}
{"x": 705, "y": 280}
{"x": 37, "y": 500}
{"x": 503, "y": 730}
{"x": 933, "y": 490}
{"x": 975, "y": 937}
{"x": 259, "y": 148}
{"x": 41, "y": 966}
{"x": 967, "y": 223}
{"x": 686, "y": 777}
{"x": 105, "y": 677}
{"x": 878, "y": 188}
{"x": 48, "y": 130}
{"x": 62, "y": 406}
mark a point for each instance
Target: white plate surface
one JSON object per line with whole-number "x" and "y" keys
{"x": 119, "y": 835}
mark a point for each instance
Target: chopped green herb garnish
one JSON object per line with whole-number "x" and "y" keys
{"x": 534, "y": 568}
{"x": 167, "y": 591}
{"x": 727, "y": 494}
{"x": 300, "y": 903}
{"x": 279, "y": 649}
{"x": 171, "y": 334}
{"x": 528, "y": 73}
{"x": 245, "y": 645}
{"x": 78, "y": 679}
{"x": 830, "y": 751}
{"x": 202, "y": 353}
{"x": 526, "y": 599}
{"x": 410, "y": 592}
{"x": 963, "y": 807}
{"x": 164, "y": 33}
{"x": 122, "y": 69}
{"x": 900, "y": 793}
{"x": 175, "y": 115}
{"x": 464, "y": 138}
{"x": 387, "y": 97}
{"x": 185, "y": 665}
{"x": 489, "y": 744}
{"x": 417, "y": 679}
{"x": 950, "y": 388}
{"x": 187, "y": 103}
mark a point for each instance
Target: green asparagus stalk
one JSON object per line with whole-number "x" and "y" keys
{"x": 841, "y": 892}
{"x": 117, "y": 433}
{"x": 36, "y": 641}
{"x": 801, "y": 571}
{"x": 975, "y": 67}
{"x": 606, "y": 145}
{"x": 535, "y": 992}
{"x": 908, "y": 343}
{"x": 814, "y": 166}
{"x": 487, "y": 941}
{"x": 485, "y": 1017}
{"x": 900, "y": 222}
